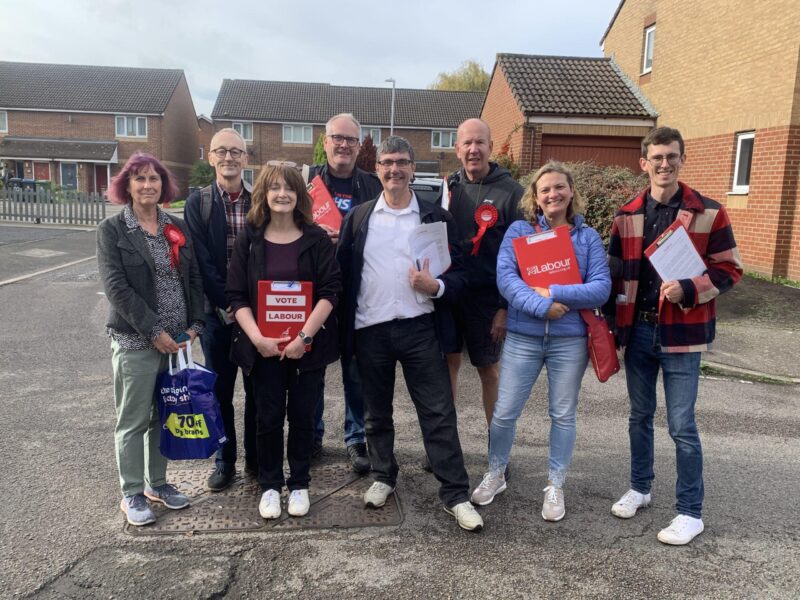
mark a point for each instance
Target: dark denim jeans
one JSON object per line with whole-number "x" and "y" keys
{"x": 216, "y": 343}
{"x": 282, "y": 393}
{"x": 680, "y": 372}
{"x": 353, "y": 405}
{"x": 413, "y": 343}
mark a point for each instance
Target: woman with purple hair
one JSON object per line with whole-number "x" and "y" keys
{"x": 151, "y": 279}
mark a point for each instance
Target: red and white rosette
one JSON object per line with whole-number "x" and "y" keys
{"x": 485, "y": 217}
{"x": 176, "y": 241}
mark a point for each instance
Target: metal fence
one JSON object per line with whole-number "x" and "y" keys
{"x": 45, "y": 206}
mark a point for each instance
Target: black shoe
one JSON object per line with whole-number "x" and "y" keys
{"x": 316, "y": 448}
{"x": 426, "y": 465}
{"x": 221, "y": 478}
{"x": 358, "y": 457}
{"x": 507, "y": 474}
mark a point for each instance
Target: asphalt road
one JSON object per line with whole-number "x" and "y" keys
{"x": 61, "y": 529}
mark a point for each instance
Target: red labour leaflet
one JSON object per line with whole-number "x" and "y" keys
{"x": 283, "y": 307}
{"x": 546, "y": 258}
{"x": 324, "y": 211}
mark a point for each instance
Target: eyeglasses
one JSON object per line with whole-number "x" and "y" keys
{"x": 672, "y": 159}
{"x": 222, "y": 152}
{"x": 388, "y": 163}
{"x": 339, "y": 139}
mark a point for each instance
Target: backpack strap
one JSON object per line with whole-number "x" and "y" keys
{"x": 206, "y": 202}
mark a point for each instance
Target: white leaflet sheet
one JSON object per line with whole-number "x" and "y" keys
{"x": 676, "y": 257}
{"x": 429, "y": 240}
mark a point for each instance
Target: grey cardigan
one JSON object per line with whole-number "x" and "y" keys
{"x": 128, "y": 274}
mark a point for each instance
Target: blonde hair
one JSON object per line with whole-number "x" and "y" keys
{"x": 530, "y": 207}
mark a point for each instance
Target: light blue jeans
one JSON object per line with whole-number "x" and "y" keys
{"x": 522, "y": 361}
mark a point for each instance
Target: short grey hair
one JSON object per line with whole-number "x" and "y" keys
{"x": 232, "y": 131}
{"x": 348, "y": 116}
{"x": 394, "y": 144}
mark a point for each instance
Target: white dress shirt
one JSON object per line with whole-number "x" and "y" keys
{"x": 386, "y": 293}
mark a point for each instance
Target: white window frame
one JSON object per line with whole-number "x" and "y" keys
{"x": 3, "y": 121}
{"x": 441, "y": 132}
{"x": 125, "y": 120}
{"x": 368, "y": 131}
{"x": 242, "y": 127}
{"x": 748, "y": 135}
{"x": 247, "y": 175}
{"x": 294, "y": 126}
{"x": 649, "y": 44}
{"x": 202, "y": 152}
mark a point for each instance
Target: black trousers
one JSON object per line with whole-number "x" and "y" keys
{"x": 413, "y": 343}
{"x": 281, "y": 392}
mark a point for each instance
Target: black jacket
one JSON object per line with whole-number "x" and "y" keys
{"x": 316, "y": 263}
{"x": 350, "y": 254}
{"x": 366, "y": 185}
{"x": 499, "y": 189}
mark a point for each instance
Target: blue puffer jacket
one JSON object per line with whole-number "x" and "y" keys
{"x": 527, "y": 309}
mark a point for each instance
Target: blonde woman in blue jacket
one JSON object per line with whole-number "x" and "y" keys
{"x": 545, "y": 329}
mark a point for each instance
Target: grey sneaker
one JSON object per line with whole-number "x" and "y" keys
{"x": 553, "y": 505}
{"x": 491, "y": 485}
{"x": 630, "y": 502}
{"x": 466, "y": 516}
{"x": 376, "y": 495}
{"x": 167, "y": 495}
{"x": 137, "y": 510}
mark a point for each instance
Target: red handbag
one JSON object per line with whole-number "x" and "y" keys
{"x": 600, "y": 342}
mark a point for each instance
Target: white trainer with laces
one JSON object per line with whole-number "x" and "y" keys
{"x": 376, "y": 495}
{"x": 630, "y": 502}
{"x": 270, "y": 505}
{"x": 681, "y": 531}
{"x": 298, "y": 503}
{"x": 466, "y": 516}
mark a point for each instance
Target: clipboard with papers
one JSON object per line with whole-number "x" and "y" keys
{"x": 674, "y": 256}
{"x": 283, "y": 307}
{"x": 429, "y": 241}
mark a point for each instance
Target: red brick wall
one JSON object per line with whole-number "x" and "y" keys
{"x": 766, "y": 221}
{"x": 501, "y": 112}
{"x": 179, "y": 135}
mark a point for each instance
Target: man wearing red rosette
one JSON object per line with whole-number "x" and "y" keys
{"x": 484, "y": 201}
{"x": 215, "y": 215}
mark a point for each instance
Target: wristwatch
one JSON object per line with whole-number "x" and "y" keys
{"x": 306, "y": 339}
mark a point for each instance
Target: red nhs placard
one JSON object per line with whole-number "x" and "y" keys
{"x": 283, "y": 307}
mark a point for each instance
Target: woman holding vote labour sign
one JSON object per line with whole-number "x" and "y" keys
{"x": 544, "y": 324}
{"x": 283, "y": 283}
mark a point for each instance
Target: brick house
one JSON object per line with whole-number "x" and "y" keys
{"x": 76, "y": 125}
{"x": 725, "y": 72}
{"x": 565, "y": 108}
{"x": 283, "y": 120}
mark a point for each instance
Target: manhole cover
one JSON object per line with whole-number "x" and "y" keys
{"x": 336, "y": 502}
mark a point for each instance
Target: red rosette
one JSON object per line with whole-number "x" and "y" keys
{"x": 485, "y": 217}
{"x": 176, "y": 241}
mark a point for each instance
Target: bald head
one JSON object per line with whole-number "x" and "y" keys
{"x": 473, "y": 148}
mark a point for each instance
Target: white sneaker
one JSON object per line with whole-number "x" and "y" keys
{"x": 298, "y": 503}
{"x": 466, "y": 516}
{"x": 376, "y": 495}
{"x": 681, "y": 531}
{"x": 630, "y": 502}
{"x": 553, "y": 505}
{"x": 270, "y": 505}
{"x": 488, "y": 488}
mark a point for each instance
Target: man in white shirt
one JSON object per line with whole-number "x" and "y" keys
{"x": 389, "y": 315}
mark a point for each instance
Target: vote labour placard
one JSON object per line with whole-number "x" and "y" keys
{"x": 283, "y": 307}
{"x": 546, "y": 258}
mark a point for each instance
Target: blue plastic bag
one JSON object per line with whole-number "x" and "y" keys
{"x": 191, "y": 422}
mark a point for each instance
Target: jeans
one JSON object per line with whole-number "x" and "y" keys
{"x": 522, "y": 361}
{"x": 680, "y": 372}
{"x": 353, "y": 405}
{"x": 216, "y": 343}
{"x": 413, "y": 343}
{"x": 284, "y": 393}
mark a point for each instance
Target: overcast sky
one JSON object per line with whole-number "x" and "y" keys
{"x": 338, "y": 42}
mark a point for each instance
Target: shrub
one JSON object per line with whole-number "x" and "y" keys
{"x": 320, "y": 158}
{"x": 201, "y": 175}
{"x": 367, "y": 155}
{"x": 604, "y": 190}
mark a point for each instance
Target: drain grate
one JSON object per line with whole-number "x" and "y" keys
{"x": 336, "y": 502}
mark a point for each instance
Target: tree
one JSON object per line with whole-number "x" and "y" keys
{"x": 367, "y": 155}
{"x": 469, "y": 77}
{"x": 319, "y": 151}
{"x": 201, "y": 175}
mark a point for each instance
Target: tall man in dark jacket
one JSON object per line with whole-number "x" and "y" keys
{"x": 215, "y": 215}
{"x": 349, "y": 186}
{"x": 389, "y": 316}
{"x": 484, "y": 201}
